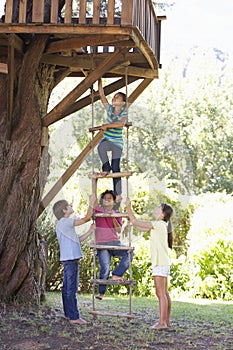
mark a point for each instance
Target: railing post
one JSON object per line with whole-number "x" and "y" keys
{"x": 38, "y": 11}
{"x": 9, "y": 7}
{"x": 127, "y": 12}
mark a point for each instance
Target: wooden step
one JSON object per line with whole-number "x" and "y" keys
{"x": 111, "y": 175}
{"x": 114, "y": 314}
{"x": 96, "y": 128}
{"x": 112, "y": 247}
{"x": 113, "y": 282}
{"x": 110, "y": 215}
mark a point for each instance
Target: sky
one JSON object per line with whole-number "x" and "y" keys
{"x": 205, "y": 23}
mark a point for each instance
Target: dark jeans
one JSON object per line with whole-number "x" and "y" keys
{"x": 70, "y": 288}
{"x": 104, "y": 147}
{"x": 104, "y": 257}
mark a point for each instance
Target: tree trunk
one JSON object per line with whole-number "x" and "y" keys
{"x": 23, "y": 174}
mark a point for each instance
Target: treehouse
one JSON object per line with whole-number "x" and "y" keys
{"x": 86, "y": 39}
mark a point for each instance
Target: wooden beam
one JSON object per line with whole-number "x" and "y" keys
{"x": 145, "y": 49}
{"x": 65, "y": 30}
{"x": 10, "y": 84}
{"x": 86, "y": 101}
{"x": 137, "y": 72}
{"x": 69, "y": 172}
{"x": 85, "y": 60}
{"x": 79, "y": 42}
{"x": 141, "y": 87}
{"x": 56, "y": 113}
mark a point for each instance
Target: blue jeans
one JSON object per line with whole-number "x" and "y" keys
{"x": 104, "y": 147}
{"x": 70, "y": 288}
{"x": 104, "y": 257}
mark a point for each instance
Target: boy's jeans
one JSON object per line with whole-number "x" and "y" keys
{"x": 104, "y": 257}
{"x": 70, "y": 288}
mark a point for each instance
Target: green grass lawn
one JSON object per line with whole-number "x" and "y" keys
{"x": 195, "y": 324}
{"x": 199, "y": 324}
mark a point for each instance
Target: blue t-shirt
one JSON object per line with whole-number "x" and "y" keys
{"x": 115, "y": 135}
{"x": 68, "y": 240}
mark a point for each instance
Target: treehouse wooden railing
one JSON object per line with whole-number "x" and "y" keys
{"x": 138, "y": 13}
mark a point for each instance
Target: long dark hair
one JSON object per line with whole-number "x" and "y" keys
{"x": 168, "y": 212}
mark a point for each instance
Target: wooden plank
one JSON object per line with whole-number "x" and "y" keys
{"x": 85, "y": 60}
{"x": 96, "y": 12}
{"x": 95, "y": 128}
{"x": 111, "y": 215}
{"x": 79, "y": 42}
{"x": 8, "y": 13}
{"x": 113, "y": 314}
{"x": 141, "y": 87}
{"x": 38, "y": 11}
{"x": 127, "y": 12}
{"x": 137, "y": 72}
{"x": 65, "y": 29}
{"x": 3, "y": 68}
{"x": 54, "y": 11}
{"x": 22, "y": 11}
{"x": 68, "y": 11}
{"x": 82, "y": 11}
{"x": 56, "y": 113}
{"x": 69, "y": 172}
{"x": 113, "y": 282}
{"x": 111, "y": 175}
{"x": 111, "y": 12}
{"x": 10, "y": 84}
{"x": 101, "y": 246}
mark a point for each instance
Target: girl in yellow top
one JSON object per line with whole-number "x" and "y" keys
{"x": 160, "y": 242}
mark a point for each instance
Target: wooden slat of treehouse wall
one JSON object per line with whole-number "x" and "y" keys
{"x": 82, "y": 11}
{"x": 68, "y": 11}
{"x": 126, "y": 12}
{"x": 111, "y": 12}
{"x": 54, "y": 11}
{"x": 38, "y": 11}
{"x": 96, "y": 12}
{"x": 8, "y": 14}
{"x": 22, "y": 11}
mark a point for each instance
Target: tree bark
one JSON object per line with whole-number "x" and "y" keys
{"x": 23, "y": 172}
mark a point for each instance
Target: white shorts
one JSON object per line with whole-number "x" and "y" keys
{"x": 161, "y": 271}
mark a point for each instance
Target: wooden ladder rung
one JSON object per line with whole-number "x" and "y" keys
{"x": 114, "y": 314}
{"x": 96, "y": 128}
{"x": 111, "y": 175}
{"x": 110, "y": 215}
{"x": 113, "y": 282}
{"x": 112, "y": 247}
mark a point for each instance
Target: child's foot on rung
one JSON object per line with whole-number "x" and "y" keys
{"x": 118, "y": 278}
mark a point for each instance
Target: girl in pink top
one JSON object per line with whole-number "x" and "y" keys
{"x": 107, "y": 229}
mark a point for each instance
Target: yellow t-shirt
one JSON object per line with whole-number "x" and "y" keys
{"x": 159, "y": 244}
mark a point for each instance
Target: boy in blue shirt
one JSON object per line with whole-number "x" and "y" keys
{"x": 70, "y": 253}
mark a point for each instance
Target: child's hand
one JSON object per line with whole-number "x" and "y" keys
{"x": 92, "y": 228}
{"x": 127, "y": 202}
{"x": 104, "y": 127}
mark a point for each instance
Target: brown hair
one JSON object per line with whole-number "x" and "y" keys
{"x": 58, "y": 208}
{"x": 168, "y": 212}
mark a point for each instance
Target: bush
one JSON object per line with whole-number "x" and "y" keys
{"x": 215, "y": 271}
